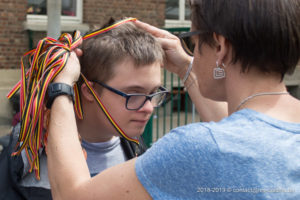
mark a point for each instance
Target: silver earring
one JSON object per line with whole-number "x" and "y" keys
{"x": 219, "y": 72}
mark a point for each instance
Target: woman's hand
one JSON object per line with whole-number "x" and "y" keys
{"x": 177, "y": 60}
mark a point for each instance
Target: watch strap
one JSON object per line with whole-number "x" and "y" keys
{"x": 56, "y": 89}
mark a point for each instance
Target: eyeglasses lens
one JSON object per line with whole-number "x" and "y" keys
{"x": 158, "y": 99}
{"x": 187, "y": 45}
{"x": 137, "y": 101}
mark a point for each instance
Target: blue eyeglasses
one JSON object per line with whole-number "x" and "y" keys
{"x": 136, "y": 101}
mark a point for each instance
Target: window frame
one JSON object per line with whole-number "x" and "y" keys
{"x": 31, "y": 18}
{"x": 181, "y": 22}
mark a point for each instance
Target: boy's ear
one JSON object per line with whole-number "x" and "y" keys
{"x": 85, "y": 92}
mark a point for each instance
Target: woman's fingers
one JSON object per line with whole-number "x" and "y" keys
{"x": 176, "y": 57}
{"x": 154, "y": 31}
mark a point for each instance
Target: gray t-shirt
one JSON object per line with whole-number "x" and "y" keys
{"x": 103, "y": 155}
{"x": 247, "y": 155}
{"x": 99, "y": 157}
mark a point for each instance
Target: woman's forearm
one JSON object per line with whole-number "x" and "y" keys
{"x": 66, "y": 164}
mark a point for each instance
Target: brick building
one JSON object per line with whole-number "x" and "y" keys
{"x": 17, "y": 30}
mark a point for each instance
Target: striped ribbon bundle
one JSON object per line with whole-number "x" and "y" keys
{"x": 45, "y": 62}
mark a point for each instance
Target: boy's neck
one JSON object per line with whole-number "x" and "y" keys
{"x": 93, "y": 135}
{"x": 95, "y": 140}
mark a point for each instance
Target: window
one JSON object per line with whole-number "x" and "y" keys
{"x": 177, "y": 13}
{"x": 71, "y": 11}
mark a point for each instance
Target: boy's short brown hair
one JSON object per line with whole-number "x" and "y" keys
{"x": 103, "y": 52}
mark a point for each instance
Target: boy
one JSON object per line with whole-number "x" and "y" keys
{"x": 124, "y": 60}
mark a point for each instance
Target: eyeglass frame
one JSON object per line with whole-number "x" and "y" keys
{"x": 185, "y": 35}
{"x": 190, "y": 33}
{"x": 127, "y": 96}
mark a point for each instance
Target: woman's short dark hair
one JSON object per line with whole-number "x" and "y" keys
{"x": 263, "y": 33}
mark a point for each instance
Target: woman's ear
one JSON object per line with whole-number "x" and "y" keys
{"x": 222, "y": 48}
{"x": 85, "y": 92}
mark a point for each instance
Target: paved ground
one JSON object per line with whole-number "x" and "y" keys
{"x": 4, "y": 130}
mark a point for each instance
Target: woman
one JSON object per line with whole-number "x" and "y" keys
{"x": 243, "y": 48}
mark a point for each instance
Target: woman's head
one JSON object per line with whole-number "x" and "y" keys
{"x": 263, "y": 33}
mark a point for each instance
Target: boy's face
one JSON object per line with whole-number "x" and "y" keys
{"x": 128, "y": 79}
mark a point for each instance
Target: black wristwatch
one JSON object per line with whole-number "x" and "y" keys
{"x": 57, "y": 89}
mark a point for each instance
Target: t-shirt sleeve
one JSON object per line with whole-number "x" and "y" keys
{"x": 165, "y": 169}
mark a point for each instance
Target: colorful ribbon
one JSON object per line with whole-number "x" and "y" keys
{"x": 45, "y": 62}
